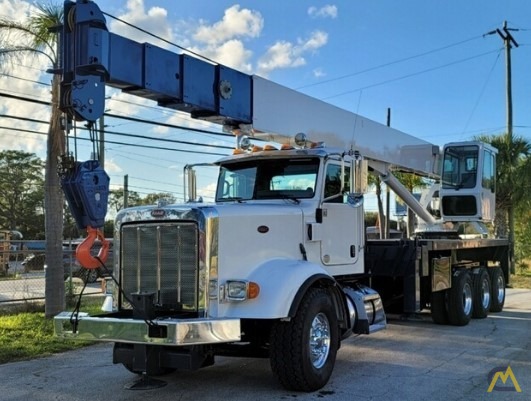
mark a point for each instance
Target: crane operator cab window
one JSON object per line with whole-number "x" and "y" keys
{"x": 460, "y": 167}
{"x": 468, "y": 182}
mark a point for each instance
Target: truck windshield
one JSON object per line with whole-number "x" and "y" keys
{"x": 267, "y": 179}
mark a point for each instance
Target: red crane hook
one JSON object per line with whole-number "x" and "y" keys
{"x": 83, "y": 250}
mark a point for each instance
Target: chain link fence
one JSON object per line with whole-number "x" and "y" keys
{"x": 23, "y": 269}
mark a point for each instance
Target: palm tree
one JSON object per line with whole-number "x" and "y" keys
{"x": 376, "y": 182}
{"x": 512, "y": 181}
{"x": 411, "y": 182}
{"x": 36, "y": 37}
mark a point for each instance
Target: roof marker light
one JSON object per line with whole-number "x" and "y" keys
{"x": 245, "y": 143}
{"x": 301, "y": 139}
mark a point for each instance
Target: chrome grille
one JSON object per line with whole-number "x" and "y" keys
{"x": 161, "y": 258}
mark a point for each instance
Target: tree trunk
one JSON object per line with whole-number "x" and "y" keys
{"x": 501, "y": 229}
{"x": 411, "y": 219}
{"x": 53, "y": 211}
{"x": 381, "y": 218}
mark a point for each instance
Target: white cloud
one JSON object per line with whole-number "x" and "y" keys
{"x": 231, "y": 53}
{"x": 328, "y": 11}
{"x": 16, "y": 81}
{"x": 112, "y": 167}
{"x": 314, "y": 42}
{"x": 235, "y": 23}
{"x": 154, "y": 20}
{"x": 15, "y": 10}
{"x": 285, "y": 54}
{"x": 208, "y": 191}
{"x": 318, "y": 73}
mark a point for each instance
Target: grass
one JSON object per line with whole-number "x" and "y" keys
{"x": 28, "y": 335}
{"x": 521, "y": 280}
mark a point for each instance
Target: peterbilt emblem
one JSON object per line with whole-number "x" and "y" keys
{"x": 263, "y": 229}
{"x": 158, "y": 213}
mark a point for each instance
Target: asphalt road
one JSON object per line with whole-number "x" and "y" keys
{"x": 411, "y": 360}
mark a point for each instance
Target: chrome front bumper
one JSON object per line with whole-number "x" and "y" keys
{"x": 169, "y": 331}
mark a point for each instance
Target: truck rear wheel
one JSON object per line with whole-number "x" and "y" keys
{"x": 439, "y": 312}
{"x": 303, "y": 350}
{"x": 460, "y": 299}
{"x": 497, "y": 288}
{"x": 482, "y": 294}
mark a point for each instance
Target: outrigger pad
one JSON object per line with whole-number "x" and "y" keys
{"x": 86, "y": 188}
{"x": 145, "y": 383}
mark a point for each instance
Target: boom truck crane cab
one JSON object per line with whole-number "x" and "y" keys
{"x": 278, "y": 265}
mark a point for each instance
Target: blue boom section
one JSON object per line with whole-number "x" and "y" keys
{"x": 92, "y": 58}
{"x": 86, "y": 188}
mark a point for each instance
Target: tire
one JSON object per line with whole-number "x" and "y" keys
{"x": 497, "y": 289}
{"x": 439, "y": 309}
{"x": 460, "y": 299}
{"x": 482, "y": 294}
{"x": 303, "y": 350}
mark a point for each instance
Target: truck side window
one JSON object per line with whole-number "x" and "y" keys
{"x": 333, "y": 183}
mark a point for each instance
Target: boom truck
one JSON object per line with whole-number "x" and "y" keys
{"x": 278, "y": 265}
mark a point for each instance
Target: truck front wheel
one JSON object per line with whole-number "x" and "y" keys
{"x": 303, "y": 350}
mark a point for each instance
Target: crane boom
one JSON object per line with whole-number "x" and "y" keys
{"x": 93, "y": 57}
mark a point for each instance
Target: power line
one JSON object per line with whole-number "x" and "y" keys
{"x": 126, "y": 134}
{"x": 134, "y": 119}
{"x": 122, "y": 143}
{"x": 158, "y": 109}
{"x": 482, "y": 91}
{"x": 410, "y": 75}
{"x": 388, "y": 64}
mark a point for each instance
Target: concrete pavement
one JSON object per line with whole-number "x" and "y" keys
{"x": 411, "y": 360}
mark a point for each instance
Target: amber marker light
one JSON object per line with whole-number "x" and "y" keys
{"x": 253, "y": 290}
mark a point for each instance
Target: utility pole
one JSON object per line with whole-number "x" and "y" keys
{"x": 387, "y": 192}
{"x": 508, "y": 42}
{"x": 126, "y": 191}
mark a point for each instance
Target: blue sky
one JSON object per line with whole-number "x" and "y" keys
{"x": 426, "y": 60}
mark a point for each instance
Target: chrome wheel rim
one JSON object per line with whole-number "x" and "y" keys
{"x": 485, "y": 294}
{"x": 501, "y": 289}
{"x": 319, "y": 340}
{"x": 467, "y": 298}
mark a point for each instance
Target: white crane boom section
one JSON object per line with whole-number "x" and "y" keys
{"x": 279, "y": 113}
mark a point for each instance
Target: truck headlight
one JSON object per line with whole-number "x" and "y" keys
{"x": 240, "y": 290}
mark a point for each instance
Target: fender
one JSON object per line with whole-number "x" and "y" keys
{"x": 282, "y": 283}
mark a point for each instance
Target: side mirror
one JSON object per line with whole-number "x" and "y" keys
{"x": 355, "y": 199}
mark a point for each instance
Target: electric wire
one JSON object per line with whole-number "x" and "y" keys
{"x": 92, "y": 134}
{"x": 389, "y": 63}
{"x": 481, "y": 92}
{"x": 411, "y": 75}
